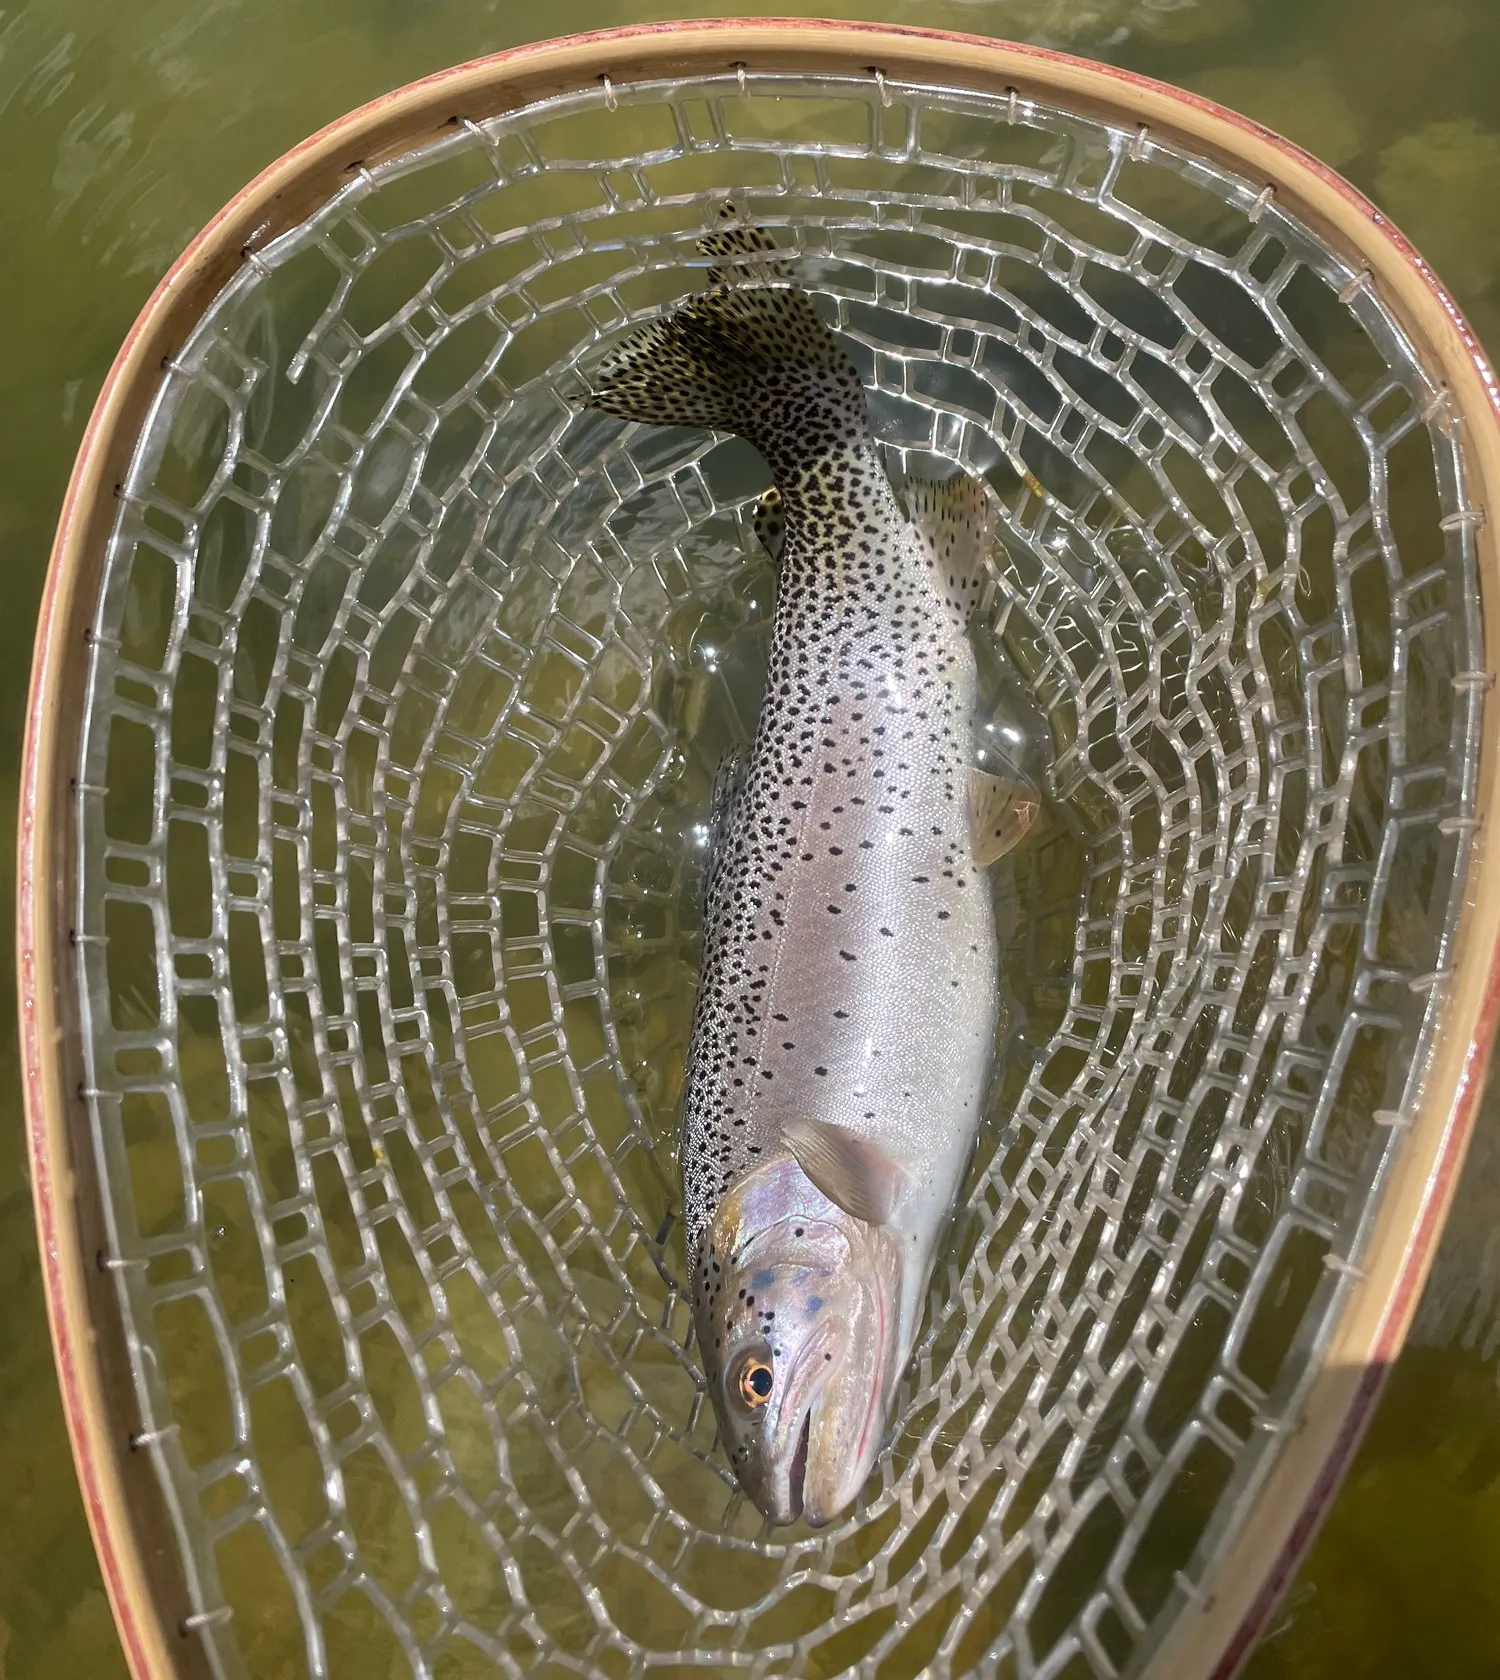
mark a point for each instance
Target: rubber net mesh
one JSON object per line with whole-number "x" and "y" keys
{"x": 408, "y": 684}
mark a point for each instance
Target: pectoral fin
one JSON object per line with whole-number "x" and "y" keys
{"x": 1000, "y": 813}
{"x": 850, "y": 1170}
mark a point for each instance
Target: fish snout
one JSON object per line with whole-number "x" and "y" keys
{"x": 791, "y": 1429}
{"x": 846, "y": 1426}
{"x": 848, "y": 1423}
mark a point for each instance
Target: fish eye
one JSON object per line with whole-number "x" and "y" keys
{"x": 754, "y": 1381}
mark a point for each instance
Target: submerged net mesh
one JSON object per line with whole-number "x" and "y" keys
{"x": 408, "y": 684}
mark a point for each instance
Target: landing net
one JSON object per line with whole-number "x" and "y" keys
{"x": 405, "y": 688}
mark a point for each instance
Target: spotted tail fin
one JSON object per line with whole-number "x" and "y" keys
{"x": 746, "y": 356}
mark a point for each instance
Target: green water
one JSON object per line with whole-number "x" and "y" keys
{"x": 123, "y": 127}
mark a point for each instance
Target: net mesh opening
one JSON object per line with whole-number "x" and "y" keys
{"x": 407, "y": 687}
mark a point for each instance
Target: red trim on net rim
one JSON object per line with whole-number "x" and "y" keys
{"x": 28, "y": 909}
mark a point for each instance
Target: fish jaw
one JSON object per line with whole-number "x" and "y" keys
{"x": 788, "y": 1434}
{"x": 848, "y": 1421}
{"x": 791, "y": 1285}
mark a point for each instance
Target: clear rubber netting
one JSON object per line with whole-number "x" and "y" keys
{"x": 407, "y": 690}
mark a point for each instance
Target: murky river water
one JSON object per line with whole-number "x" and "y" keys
{"x": 122, "y": 128}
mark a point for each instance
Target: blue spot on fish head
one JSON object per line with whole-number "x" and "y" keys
{"x": 814, "y": 1303}
{"x": 762, "y": 1280}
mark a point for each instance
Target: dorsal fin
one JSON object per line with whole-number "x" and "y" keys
{"x": 956, "y": 524}
{"x": 770, "y": 523}
{"x": 850, "y": 1170}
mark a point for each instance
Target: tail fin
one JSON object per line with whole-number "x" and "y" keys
{"x": 755, "y": 359}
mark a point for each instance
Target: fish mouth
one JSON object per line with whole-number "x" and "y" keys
{"x": 806, "y": 1382}
{"x": 844, "y": 1474}
{"x": 837, "y": 1476}
{"x": 797, "y": 1476}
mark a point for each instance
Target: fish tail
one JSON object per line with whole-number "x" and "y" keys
{"x": 751, "y": 355}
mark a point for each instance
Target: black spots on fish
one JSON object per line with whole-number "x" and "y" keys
{"x": 822, "y": 1072}
{"x": 853, "y": 612}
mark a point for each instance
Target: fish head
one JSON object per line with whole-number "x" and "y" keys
{"x": 797, "y": 1308}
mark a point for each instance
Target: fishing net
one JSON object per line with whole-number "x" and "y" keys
{"x": 402, "y": 696}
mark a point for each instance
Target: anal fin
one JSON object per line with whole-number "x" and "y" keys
{"x": 850, "y": 1170}
{"x": 1001, "y": 811}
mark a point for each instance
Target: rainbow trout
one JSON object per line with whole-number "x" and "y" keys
{"x": 847, "y": 998}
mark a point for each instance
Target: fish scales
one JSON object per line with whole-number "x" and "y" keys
{"x": 848, "y": 989}
{"x": 846, "y": 908}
